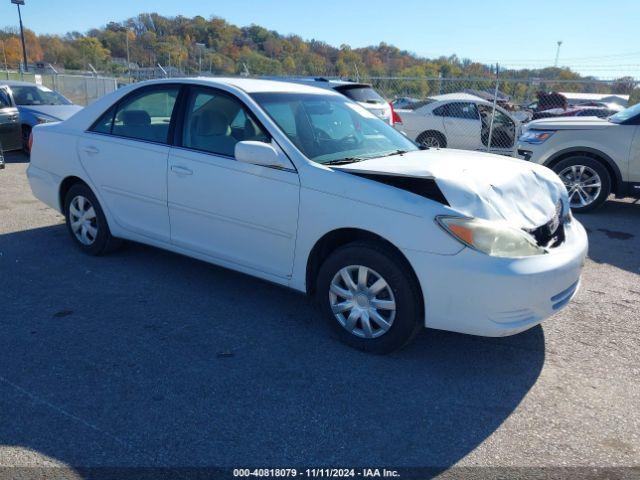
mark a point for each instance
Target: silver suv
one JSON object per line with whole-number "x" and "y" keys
{"x": 593, "y": 156}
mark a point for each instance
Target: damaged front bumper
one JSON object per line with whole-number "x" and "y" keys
{"x": 474, "y": 293}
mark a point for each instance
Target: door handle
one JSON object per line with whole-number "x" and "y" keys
{"x": 178, "y": 170}
{"x": 91, "y": 150}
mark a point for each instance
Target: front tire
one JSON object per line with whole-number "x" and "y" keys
{"x": 86, "y": 222}
{"x": 369, "y": 297}
{"x": 587, "y": 181}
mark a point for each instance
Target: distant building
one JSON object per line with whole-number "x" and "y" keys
{"x": 577, "y": 98}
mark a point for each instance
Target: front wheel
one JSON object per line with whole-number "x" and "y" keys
{"x": 587, "y": 181}
{"x": 369, "y": 297}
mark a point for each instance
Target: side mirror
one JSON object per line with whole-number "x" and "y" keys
{"x": 259, "y": 153}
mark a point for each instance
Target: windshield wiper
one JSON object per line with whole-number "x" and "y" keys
{"x": 395, "y": 152}
{"x": 345, "y": 161}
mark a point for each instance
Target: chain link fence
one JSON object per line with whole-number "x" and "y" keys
{"x": 486, "y": 113}
{"x": 466, "y": 112}
{"x": 80, "y": 89}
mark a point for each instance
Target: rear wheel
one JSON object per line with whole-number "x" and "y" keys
{"x": 86, "y": 221}
{"x": 587, "y": 181}
{"x": 431, "y": 140}
{"x": 369, "y": 297}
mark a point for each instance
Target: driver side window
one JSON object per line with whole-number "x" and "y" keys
{"x": 214, "y": 122}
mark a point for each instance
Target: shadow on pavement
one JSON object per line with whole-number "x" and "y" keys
{"x": 146, "y": 358}
{"x": 614, "y": 234}
{"x": 16, "y": 156}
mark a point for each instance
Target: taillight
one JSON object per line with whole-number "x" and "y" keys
{"x": 395, "y": 118}
{"x": 30, "y": 142}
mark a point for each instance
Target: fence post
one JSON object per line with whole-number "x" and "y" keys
{"x": 493, "y": 111}
{"x": 86, "y": 91}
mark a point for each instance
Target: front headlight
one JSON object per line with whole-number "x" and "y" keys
{"x": 493, "y": 238}
{"x": 536, "y": 137}
{"x": 41, "y": 119}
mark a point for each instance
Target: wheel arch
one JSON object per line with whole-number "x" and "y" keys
{"x": 65, "y": 185}
{"x": 617, "y": 183}
{"x": 433, "y": 132}
{"x": 335, "y": 239}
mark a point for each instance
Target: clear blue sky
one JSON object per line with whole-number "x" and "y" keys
{"x": 599, "y": 37}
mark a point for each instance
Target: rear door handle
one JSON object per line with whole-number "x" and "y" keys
{"x": 178, "y": 170}
{"x": 91, "y": 150}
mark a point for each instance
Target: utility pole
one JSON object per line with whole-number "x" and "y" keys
{"x": 126, "y": 36}
{"x": 201, "y": 46}
{"x": 24, "y": 48}
{"x": 558, "y": 53}
{"x": 4, "y": 54}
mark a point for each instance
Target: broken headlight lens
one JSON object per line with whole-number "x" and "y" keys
{"x": 493, "y": 238}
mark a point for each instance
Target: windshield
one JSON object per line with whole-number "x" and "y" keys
{"x": 329, "y": 128}
{"x": 626, "y": 114}
{"x": 37, "y": 95}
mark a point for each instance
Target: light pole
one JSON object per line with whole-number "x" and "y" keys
{"x": 24, "y": 48}
{"x": 558, "y": 53}
{"x": 201, "y": 46}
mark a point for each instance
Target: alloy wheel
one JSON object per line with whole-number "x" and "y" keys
{"x": 430, "y": 141}
{"x": 83, "y": 220}
{"x": 362, "y": 301}
{"x": 583, "y": 185}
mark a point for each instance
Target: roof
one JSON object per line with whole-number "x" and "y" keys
{"x": 255, "y": 85}
{"x": 460, "y": 96}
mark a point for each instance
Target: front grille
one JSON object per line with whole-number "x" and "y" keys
{"x": 551, "y": 234}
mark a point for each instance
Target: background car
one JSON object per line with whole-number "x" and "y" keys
{"x": 362, "y": 93}
{"x": 594, "y": 157}
{"x": 37, "y": 104}
{"x": 459, "y": 120}
{"x": 10, "y": 133}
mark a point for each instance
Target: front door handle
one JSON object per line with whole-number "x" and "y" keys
{"x": 178, "y": 170}
{"x": 91, "y": 150}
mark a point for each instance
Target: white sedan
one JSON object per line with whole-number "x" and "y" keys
{"x": 459, "y": 120}
{"x": 303, "y": 187}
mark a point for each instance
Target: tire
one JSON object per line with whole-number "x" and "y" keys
{"x": 401, "y": 290}
{"x": 93, "y": 235}
{"x": 26, "y": 132}
{"x": 431, "y": 140}
{"x": 583, "y": 170}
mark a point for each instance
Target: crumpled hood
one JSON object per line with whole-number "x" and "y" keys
{"x": 570, "y": 123}
{"x": 479, "y": 185}
{"x": 57, "y": 112}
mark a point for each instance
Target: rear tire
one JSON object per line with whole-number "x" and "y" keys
{"x": 86, "y": 222}
{"x": 381, "y": 312}
{"x": 587, "y": 180}
{"x": 431, "y": 140}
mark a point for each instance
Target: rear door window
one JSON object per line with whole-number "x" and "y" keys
{"x": 465, "y": 110}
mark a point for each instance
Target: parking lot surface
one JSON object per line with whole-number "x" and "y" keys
{"x": 147, "y": 358}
